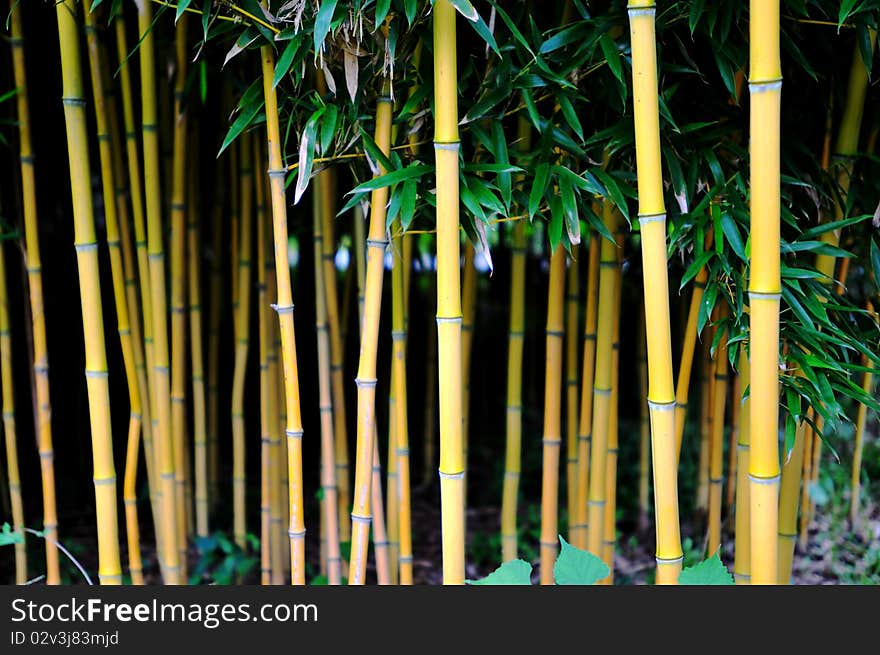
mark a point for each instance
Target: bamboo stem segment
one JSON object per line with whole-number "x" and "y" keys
{"x": 765, "y": 87}
{"x": 446, "y": 149}
{"x": 109, "y": 567}
{"x": 33, "y": 265}
{"x": 652, "y": 220}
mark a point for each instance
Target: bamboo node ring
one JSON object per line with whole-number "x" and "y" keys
{"x": 296, "y": 534}
{"x": 275, "y": 172}
{"x": 294, "y": 434}
{"x": 96, "y": 374}
{"x": 104, "y": 481}
{"x": 452, "y": 476}
{"x": 361, "y": 519}
{"x": 661, "y": 406}
{"x": 764, "y": 86}
{"x": 651, "y": 218}
{"x": 455, "y": 145}
{"x": 377, "y": 243}
{"x": 367, "y": 384}
{"x": 86, "y": 247}
{"x": 760, "y": 480}
{"x": 282, "y": 309}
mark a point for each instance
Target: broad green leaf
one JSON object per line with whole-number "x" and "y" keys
{"x": 376, "y": 158}
{"x": 612, "y": 56}
{"x": 322, "y": 22}
{"x": 466, "y": 9}
{"x": 408, "y": 204}
{"x": 249, "y": 106}
{"x": 875, "y": 262}
{"x": 710, "y": 571}
{"x": 578, "y": 567}
{"x": 307, "y": 154}
{"x": 286, "y": 59}
{"x": 846, "y": 7}
{"x": 181, "y": 7}
{"x": 400, "y": 175}
{"x": 614, "y": 192}
{"x": 695, "y": 12}
{"x": 382, "y": 7}
{"x": 513, "y": 572}
{"x": 538, "y": 186}
{"x": 328, "y": 127}
{"x": 569, "y": 206}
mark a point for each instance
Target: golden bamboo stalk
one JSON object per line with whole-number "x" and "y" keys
{"x": 400, "y": 416}
{"x": 571, "y": 387}
{"x": 644, "y": 429}
{"x": 293, "y": 420}
{"x": 170, "y": 556}
{"x": 366, "y": 448}
{"x": 716, "y": 438}
{"x": 122, "y": 317}
{"x": 579, "y": 529}
{"x": 685, "y": 366}
{"x": 652, "y": 220}
{"x": 330, "y": 503}
{"x": 33, "y": 265}
{"x": 552, "y": 437}
{"x": 609, "y": 529}
{"x": 446, "y": 152}
{"x": 178, "y": 289}
{"x": 513, "y": 447}
{"x": 327, "y": 192}
{"x": 742, "y": 525}
{"x": 15, "y": 496}
{"x": 468, "y": 309}
{"x": 789, "y": 495}
{"x": 737, "y": 391}
{"x": 765, "y": 85}
{"x": 858, "y": 446}
{"x": 602, "y": 384}
{"x": 242, "y": 339}
{"x": 104, "y": 474}
{"x": 810, "y": 439}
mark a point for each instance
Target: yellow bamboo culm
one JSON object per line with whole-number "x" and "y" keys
{"x": 35, "y": 291}
{"x": 9, "y": 427}
{"x": 178, "y": 289}
{"x": 134, "y": 190}
{"x": 571, "y": 387}
{"x": 468, "y": 309}
{"x": 579, "y": 529}
{"x": 644, "y": 429}
{"x": 652, "y": 220}
{"x": 846, "y": 146}
{"x": 730, "y": 497}
{"x": 242, "y": 339}
{"x": 161, "y": 393}
{"x": 810, "y": 439}
{"x": 789, "y": 495}
{"x": 330, "y": 504}
{"x": 742, "y": 521}
{"x": 552, "y": 438}
{"x": 513, "y": 447}
{"x": 129, "y": 490}
{"x": 609, "y": 530}
{"x": 337, "y": 353}
{"x": 446, "y": 150}
{"x": 264, "y": 340}
{"x": 716, "y": 438}
{"x": 129, "y": 268}
{"x": 400, "y": 417}
{"x": 858, "y": 446}
{"x": 104, "y": 474}
{"x": 513, "y": 439}
{"x": 361, "y": 515}
{"x": 685, "y": 366}
{"x": 707, "y": 385}
{"x": 200, "y": 427}
{"x": 765, "y": 88}
{"x": 293, "y": 419}
{"x": 602, "y": 384}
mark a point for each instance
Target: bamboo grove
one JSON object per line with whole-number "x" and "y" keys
{"x": 336, "y": 277}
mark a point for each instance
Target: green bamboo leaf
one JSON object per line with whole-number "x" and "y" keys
{"x": 731, "y": 233}
{"x": 614, "y": 192}
{"x": 695, "y": 267}
{"x": 328, "y": 127}
{"x": 322, "y": 22}
{"x": 307, "y": 146}
{"x": 539, "y": 184}
{"x": 512, "y": 27}
{"x": 569, "y": 206}
{"x": 410, "y": 8}
{"x": 562, "y": 38}
{"x": 846, "y": 7}
{"x": 375, "y": 157}
{"x": 286, "y": 59}
{"x": 557, "y": 222}
{"x": 710, "y": 571}
{"x": 393, "y": 177}
{"x": 578, "y": 567}
{"x": 483, "y": 30}
{"x": 382, "y": 7}
{"x": 612, "y": 56}
{"x": 181, "y": 7}
{"x": 408, "y": 204}
{"x": 696, "y": 12}
{"x": 570, "y": 115}
{"x": 249, "y": 106}
{"x": 466, "y": 9}
{"x": 513, "y": 572}
{"x": 822, "y": 228}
